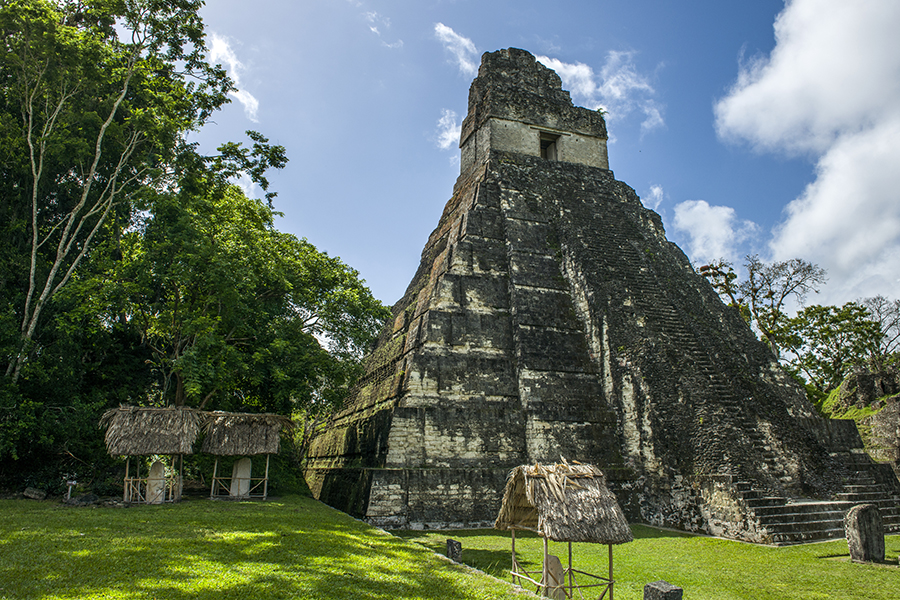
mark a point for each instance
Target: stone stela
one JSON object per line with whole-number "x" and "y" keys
{"x": 550, "y": 317}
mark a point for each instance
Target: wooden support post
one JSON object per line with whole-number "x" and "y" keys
{"x": 514, "y": 570}
{"x": 126, "y": 493}
{"x": 180, "y": 482}
{"x": 546, "y": 575}
{"x": 571, "y": 575}
{"x": 212, "y": 488}
{"x": 611, "y": 581}
{"x": 266, "y": 480}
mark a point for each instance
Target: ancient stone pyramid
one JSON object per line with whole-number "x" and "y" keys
{"x": 550, "y": 317}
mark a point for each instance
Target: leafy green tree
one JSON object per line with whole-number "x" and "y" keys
{"x": 96, "y": 98}
{"x": 827, "y": 342}
{"x": 762, "y": 296}
{"x": 235, "y": 313}
{"x": 887, "y": 314}
{"x": 130, "y": 268}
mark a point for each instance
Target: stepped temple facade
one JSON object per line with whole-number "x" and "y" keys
{"x": 550, "y": 317}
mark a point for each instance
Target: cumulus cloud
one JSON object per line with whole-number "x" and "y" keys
{"x": 831, "y": 90}
{"x": 713, "y": 231}
{"x": 377, "y": 21}
{"x": 462, "y": 49}
{"x": 247, "y": 185}
{"x": 619, "y": 88}
{"x": 220, "y": 52}
{"x": 657, "y": 195}
{"x": 448, "y": 130}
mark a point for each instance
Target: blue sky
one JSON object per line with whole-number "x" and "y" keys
{"x": 758, "y": 127}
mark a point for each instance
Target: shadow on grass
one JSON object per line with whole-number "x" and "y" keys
{"x": 294, "y": 549}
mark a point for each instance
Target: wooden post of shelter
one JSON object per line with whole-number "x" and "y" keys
{"x": 545, "y": 577}
{"x": 611, "y": 580}
{"x": 513, "y": 538}
{"x": 125, "y": 487}
{"x": 213, "y": 483}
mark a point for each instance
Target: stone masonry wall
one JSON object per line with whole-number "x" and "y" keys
{"x": 550, "y": 317}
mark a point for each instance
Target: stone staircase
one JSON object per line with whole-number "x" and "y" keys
{"x": 796, "y": 521}
{"x": 782, "y": 520}
{"x": 721, "y": 404}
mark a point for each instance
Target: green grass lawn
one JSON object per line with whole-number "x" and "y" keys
{"x": 706, "y": 568}
{"x": 295, "y": 547}
{"x": 288, "y": 548}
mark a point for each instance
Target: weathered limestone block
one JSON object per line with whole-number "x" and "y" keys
{"x": 555, "y": 579}
{"x": 662, "y": 590}
{"x": 241, "y": 473}
{"x": 34, "y": 493}
{"x": 864, "y": 529}
{"x": 454, "y": 550}
{"x": 156, "y": 483}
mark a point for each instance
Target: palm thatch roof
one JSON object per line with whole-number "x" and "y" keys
{"x": 244, "y": 434}
{"x": 139, "y": 431}
{"x": 563, "y": 502}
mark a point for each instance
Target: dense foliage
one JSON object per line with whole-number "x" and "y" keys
{"x": 131, "y": 270}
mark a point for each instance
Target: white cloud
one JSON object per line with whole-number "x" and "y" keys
{"x": 713, "y": 231}
{"x": 848, "y": 219}
{"x": 375, "y": 20}
{"x": 448, "y": 130}
{"x": 462, "y": 48}
{"x": 249, "y": 187}
{"x": 619, "y": 88}
{"x": 657, "y": 195}
{"x": 220, "y": 52}
{"x": 831, "y": 89}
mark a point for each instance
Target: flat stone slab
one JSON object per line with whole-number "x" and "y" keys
{"x": 34, "y": 493}
{"x": 864, "y": 529}
{"x": 662, "y": 590}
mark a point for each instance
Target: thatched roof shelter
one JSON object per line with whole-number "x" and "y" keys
{"x": 563, "y": 502}
{"x": 139, "y": 431}
{"x": 244, "y": 434}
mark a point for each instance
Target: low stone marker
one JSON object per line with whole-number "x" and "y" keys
{"x": 454, "y": 550}
{"x": 34, "y": 493}
{"x": 555, "y": 578}
{"x": 865, "y": 533}
{"x": 156, "y": 483}
{"x": 662, "y": 590}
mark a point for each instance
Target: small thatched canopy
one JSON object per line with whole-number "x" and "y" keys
{"x": 137, "y": 431}
{"x": 565, "y": 503}
{"x": 244, "y": 434}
